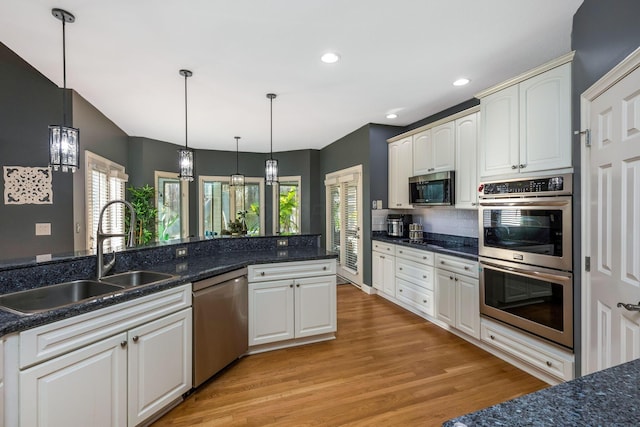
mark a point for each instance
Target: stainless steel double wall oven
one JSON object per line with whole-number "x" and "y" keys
{"x": 525, "y": 255}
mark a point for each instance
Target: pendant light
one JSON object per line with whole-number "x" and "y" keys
{"x": 185, "y": 155}
{"x": 63, "y": 140}
{"x": 271, "y": 165}
{"x": 237, "y": 179}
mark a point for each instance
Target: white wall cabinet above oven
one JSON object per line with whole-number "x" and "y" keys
{"x": 434, "y": 149}
{"x": 400, "y": 169}
{"x": 526, "y": 122}
{"x": 467, "y": 161}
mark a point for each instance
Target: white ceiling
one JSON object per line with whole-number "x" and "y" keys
{"x": 123, "y": 56}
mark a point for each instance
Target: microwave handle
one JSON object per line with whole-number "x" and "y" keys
{"x": 539, "y": 274}
{"x": 523, "y": 203}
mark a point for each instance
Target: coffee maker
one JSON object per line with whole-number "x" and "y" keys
{"x": 398, "y": 225}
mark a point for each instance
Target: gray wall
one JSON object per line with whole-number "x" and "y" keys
{"x": 29, "y": 104}
{"x": 604, "y": 33}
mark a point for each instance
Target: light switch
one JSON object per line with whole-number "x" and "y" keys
{"x": 43, "y": 229}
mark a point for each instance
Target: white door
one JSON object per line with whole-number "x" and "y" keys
{"x": 444, "y": 147}
{"x": 315, "y": 306}
{"x": 468, "y": 305}
{"x": 271, "y": 306}
{"x": 467, "y": 162}
{"x": 445, "y": 297}
{"x": 499, "y": 146}
{"x": 611, "y": 218}
{"x": 159, "y": 364}
{"x": 344, "y": 221}
{"x": 422, "y": 152}
{"x": 87, "y": 387}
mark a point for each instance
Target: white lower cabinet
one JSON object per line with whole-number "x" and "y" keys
{"x": 383, "y": 268}
{"x": 458, "y": 294}
{"x": 292, "y": 308}
{"x": 116, "y": 366}
{"x": 414, "y": 278}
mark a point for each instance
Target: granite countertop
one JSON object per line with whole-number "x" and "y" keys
{"x": 186, "y": 270}
{"x": 463, "y": 247}
{"x": 606, "y": 398}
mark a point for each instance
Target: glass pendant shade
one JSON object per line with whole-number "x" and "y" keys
{"x": 271, "y": 171}
{"x": 185, "y": 160}
{"x": 237, "y": 180}
{"x": 63, "y": 148}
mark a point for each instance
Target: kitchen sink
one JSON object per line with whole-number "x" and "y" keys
{"x": 137, "y": 278}
{"x": 56, "y": 296}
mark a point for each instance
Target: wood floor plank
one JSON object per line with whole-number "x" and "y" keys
{"x": 387, "y": 367}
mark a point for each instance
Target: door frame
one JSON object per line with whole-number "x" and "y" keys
{"x": 613, "y": 76}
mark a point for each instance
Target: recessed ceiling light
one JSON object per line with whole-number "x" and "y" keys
{"x": 461, "y": 82}
{"x": 330, "y": 58}
{"x": 392, "y": 116}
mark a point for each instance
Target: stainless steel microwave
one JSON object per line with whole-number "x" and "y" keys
{"x": 435, "y": 189}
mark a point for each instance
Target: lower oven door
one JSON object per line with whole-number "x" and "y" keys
{"x": 535, "y": 299}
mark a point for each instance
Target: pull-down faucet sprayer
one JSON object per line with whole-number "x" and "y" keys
{"x": 101, "y": 236}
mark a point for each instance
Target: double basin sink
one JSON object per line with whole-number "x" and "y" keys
{"x": 63, "y": 294}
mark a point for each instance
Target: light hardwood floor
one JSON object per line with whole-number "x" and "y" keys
{"x": 387, "y": 367}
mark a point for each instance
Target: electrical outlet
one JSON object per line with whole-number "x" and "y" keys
{"x": 181, "y": 252}
{"x": 282, "y": 242}
{"x": 283, "y": 253}
{"x": 182, "y": 267}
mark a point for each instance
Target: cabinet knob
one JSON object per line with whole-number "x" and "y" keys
{"x": 400, "y": 268}
{"x": 400, "y": 290}
{"x": 424, "y": 276}
{"x": 398, "y": 204}
{"x": 473, "y": 203}
{"x": 456, "y": 279}
{"x": 291, "y": 285}
{"x": 424, "y": 257}
{"x": 514, "y": 166}
{"x": 450, "y": 277}
{"x": 123, "y": 344}
{"x": 388, "y": 249}
{"x": 382, "y": 256}
{"x": 400, "y": 251}
{"x": 262, "y": 273}
{"x": 466, "y": 267}
{"x": 424, "y": 301}
{"x": 492, "y": 337}
{"x": 442, "y": 262}
{"x": 549, "y": 364}
{"x": 136, "y": 338}
{"x": 297, "y": 285}
{"x": 324, "y": 268}
{"x": 522, "y": 166}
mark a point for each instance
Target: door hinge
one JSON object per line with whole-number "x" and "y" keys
{"x": 587, "y": 263}
{"x": 587, "y": 136}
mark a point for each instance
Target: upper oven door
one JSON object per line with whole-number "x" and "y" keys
{"x": 535, "y": 230}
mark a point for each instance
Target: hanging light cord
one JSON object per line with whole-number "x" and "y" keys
{"x": 64, "y": 74}
{"x": 237, "y": 138}
{"x": 271, "y": 133}
{"x": 185, "y": 110}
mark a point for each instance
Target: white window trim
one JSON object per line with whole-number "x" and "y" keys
{"x": 184, "y": 203}
{"x": 248, "y": 180}
{"x": 346, "y": 175}
{"x": 94, "y": 161}
{"x": 275, "y": 200}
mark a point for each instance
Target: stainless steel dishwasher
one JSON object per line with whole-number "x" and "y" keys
{"x": 220, "y": 333}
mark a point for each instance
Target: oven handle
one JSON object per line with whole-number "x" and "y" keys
{"x": 523, "y": 203}
{"x": 542, "y": 275}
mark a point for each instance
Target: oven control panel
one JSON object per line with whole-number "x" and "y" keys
{"x": 543, "y": 186}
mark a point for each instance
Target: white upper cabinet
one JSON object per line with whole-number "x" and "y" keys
{"x": 526, "y": 125}
{"x": 434, "y": 149}
{"x": 467, "y": 161}
{"x": 400, "y": 169}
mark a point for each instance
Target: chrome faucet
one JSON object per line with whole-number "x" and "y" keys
{"x": 101, "y": 268}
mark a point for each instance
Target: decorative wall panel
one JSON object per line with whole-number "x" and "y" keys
{"x": 27, "y": 185}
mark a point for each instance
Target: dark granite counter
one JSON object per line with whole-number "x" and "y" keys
{"x": 605, "y": 398}
{"x": 197, "y": 266}
{"x": 463, "y": 247}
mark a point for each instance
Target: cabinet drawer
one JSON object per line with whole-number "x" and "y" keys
{"x": 528, "y": 349}
{"x": 417, "y": 255}
{"x": 47, "y": 341}
{"x": 386, "y": 248}
{"x": 457, "y": 265}
{"x": 418, "y": 274}
{"x": 291, "y": 270}
{"x": 415, "y": 296}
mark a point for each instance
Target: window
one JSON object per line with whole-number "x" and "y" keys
{"x": 286, "y": 220}
{"x": 105, "y": 181}
{"x": 172, "y": 198}
{"x": 220, "y": 204}
{"x": 344, "y": 213}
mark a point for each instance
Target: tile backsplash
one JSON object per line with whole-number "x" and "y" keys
{"x": 457, "y": 222}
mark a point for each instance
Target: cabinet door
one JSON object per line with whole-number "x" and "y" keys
{"x": 315, "y": 306}
{"x": 271, "y": 306}
{"x": 445, "y": 297}
{"x": 444, "y": 147}
{"x": 400, "y": 169}
{"x": 468, "y": 306}
{"x": 160, "y": 360}
{"x": 377, "y": 270}
{"x": 422, "y": 152}
{"x": 467, "y": 162}
{"x": 389, "y": 276}
{"x": 87, "y": 387}
{"x": 499, "y": 147}
{"x": 545, "y": 121}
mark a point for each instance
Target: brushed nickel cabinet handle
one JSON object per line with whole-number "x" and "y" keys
{"x": 262, "y": 273}
{"x": 522, "y": 166}
{"x": 514, "y": 166}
